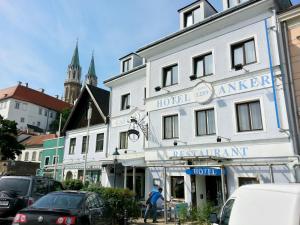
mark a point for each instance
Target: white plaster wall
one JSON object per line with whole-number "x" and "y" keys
{"x": 4, "y": 106}
{"x": 30, "y": 112}
{"x": 78, "y": 134}
{"x": 30, "y": 152}
{"x": 134, "y": 84}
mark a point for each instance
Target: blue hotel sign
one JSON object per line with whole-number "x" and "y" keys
{"x": 204, "y": 171}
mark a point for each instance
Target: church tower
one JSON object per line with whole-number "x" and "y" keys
{"x": 72, "y": 83}
{"x": 91, "y": 77}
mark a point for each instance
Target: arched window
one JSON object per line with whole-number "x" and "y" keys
{"x": 33, "y": 157}
{"x": 26, "y": 156}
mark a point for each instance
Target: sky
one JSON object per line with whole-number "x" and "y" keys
{"x": 37, "y": 38}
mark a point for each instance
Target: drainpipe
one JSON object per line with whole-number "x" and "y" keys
{"x": 272, "y": 74}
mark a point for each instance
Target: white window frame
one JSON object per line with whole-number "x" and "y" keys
{"x": 47, "y": 157}
{"x": 129, "y": 99}
{"x": 166, "y": 114}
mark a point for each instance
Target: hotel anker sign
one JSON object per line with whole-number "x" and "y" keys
{"x": 204, "y": 92}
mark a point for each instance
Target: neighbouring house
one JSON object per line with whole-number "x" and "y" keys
{"x": 52, "y": 158}
{"x": 33, "y": 148}
{"x": 33, "y": 110}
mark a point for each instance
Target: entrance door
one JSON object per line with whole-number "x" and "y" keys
{"x": 214, "y": 190}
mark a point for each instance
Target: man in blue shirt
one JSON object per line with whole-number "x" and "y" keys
{"x": 154, "y": 196}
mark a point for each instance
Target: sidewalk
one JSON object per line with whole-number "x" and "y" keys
{"x": 140, "y": 221}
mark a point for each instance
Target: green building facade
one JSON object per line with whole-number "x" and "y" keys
{"x": 48, "y": 158}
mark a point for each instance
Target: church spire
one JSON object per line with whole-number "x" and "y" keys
{"x": 91, "y": 77}
{"x": 75, "y": 58}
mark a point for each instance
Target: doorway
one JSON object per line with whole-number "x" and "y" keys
{"x": 213, "y": 190}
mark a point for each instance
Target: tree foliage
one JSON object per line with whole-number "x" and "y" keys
{"x": 9, "y": 146}
{"x": 55, "y": 124}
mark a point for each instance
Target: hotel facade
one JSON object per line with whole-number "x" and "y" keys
{"x": 202, "y": 111}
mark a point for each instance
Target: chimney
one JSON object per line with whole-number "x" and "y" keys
{"x": 42, "y": 90}
{"x": 57, "y": 96}
{"x": 19, "y": 83}
{"x": 26, "y": 84}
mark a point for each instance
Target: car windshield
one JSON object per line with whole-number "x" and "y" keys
{"x": 59, "y": 201}
{"x": 17, "y": 185}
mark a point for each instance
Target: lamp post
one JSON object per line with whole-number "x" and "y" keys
{"x": 115, "y": 155}
{"x": 89, "y": 116}
{"x": 56, "y": 150}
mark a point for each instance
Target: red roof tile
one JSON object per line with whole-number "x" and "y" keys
{"x": 37, "y": 140}
{"x": 27, "y": 94}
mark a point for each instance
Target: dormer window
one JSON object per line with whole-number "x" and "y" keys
{"x": 191, "y": 16}
{"x": 126, "y": 65}
{"x": 232, "y": 3}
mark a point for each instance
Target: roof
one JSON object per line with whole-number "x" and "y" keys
{"x": 288, "y": 188}
{"x": 100, "y": 99}
{"x": 281, "y": 4}
{"x": 129, "y": 54}
{"x": 37, "y": 140}
{"x": 75, "y": 58}
{"x": 27, "y": 94}
{"x": 195, "y": 3}
{"x": 124, "y": 74}
{"x": 92, "y": 71}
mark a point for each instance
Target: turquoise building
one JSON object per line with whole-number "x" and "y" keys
{"x": 48, "y": 158}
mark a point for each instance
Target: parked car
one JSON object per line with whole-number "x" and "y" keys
{"x": 261, "y": 204}
{"x": 64, "y": 207}
{"x": 18, "y": 192}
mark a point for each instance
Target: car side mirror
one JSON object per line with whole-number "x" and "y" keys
{"x": 213, "y": 218}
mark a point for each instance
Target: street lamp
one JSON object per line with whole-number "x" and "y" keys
{"x": 89, "y": 116}
{"x": 115, "y": 155}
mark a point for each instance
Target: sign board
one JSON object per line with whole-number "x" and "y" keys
{"x": 203, "y": 93}
{"x": 204, "y": 171}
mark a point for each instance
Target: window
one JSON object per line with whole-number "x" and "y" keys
{"x": 248, "y": 180}
{"x": 170, "y": 126}
{"x": 177, "y": 186}
{"x": 26, "y": 156}
{"x": 191, "y": 17}
{"x": 232, "y": 3}
{"x": 225, "y": 216}
{"x": 47, "y": 161}
{"x": 126, "y": 65}
{"x": 40, "y": 187}
{"x": 22, "y": 119}
{"x": 99, "y": 142}
{"x": 46, "y": 113}
{"x": 33, "y": 157}
{"x": 54, "y": 160}
{"x": 24, "y": 106}
{"x": 170, "y": 75}
{"x": 205, "y": 122}
{"x": 40, "y": 156}
{"x": 38, "y": 123}
{"x": 40, "y": 111}
{"x": 203, "y": 65}
{"x": 249, "y": 116}
{"x": 124, "y": 140}
{"x": 72, "y": 146}
{"x": 84, "y": 144}
{"x": 51, "y": 114}
{"x": 243, "y": 53}
{"x": 17, "y": 105}
{"x": 125, "y": 102}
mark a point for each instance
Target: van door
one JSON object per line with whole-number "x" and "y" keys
{"x": 226, "y": 212}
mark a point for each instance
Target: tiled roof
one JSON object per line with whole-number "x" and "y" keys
{"x": 27, "y": 94}
{"x": 37, "y": 140}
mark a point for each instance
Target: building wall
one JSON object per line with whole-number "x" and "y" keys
{"x": 30, "y": 113}
{"x": 30, "y": 151}
{"x": 49, "y": 151}
{"x": 134, "y": 84}
{"x": 294, "y": 44}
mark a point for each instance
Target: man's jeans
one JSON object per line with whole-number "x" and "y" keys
{"x": 154, "y": 211}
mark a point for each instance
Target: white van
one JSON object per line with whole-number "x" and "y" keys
{"x": 261, "y": 204}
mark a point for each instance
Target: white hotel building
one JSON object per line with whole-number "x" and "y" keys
{"x": 210, "y": 101}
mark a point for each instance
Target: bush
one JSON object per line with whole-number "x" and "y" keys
{"x": 73, "y": 185}
{"x": 116, "y": 201}
{"x": 202, "y": 214}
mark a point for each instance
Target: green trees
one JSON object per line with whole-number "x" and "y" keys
{"x": 9, "y": 146}
{"x": 55, "y": 124}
